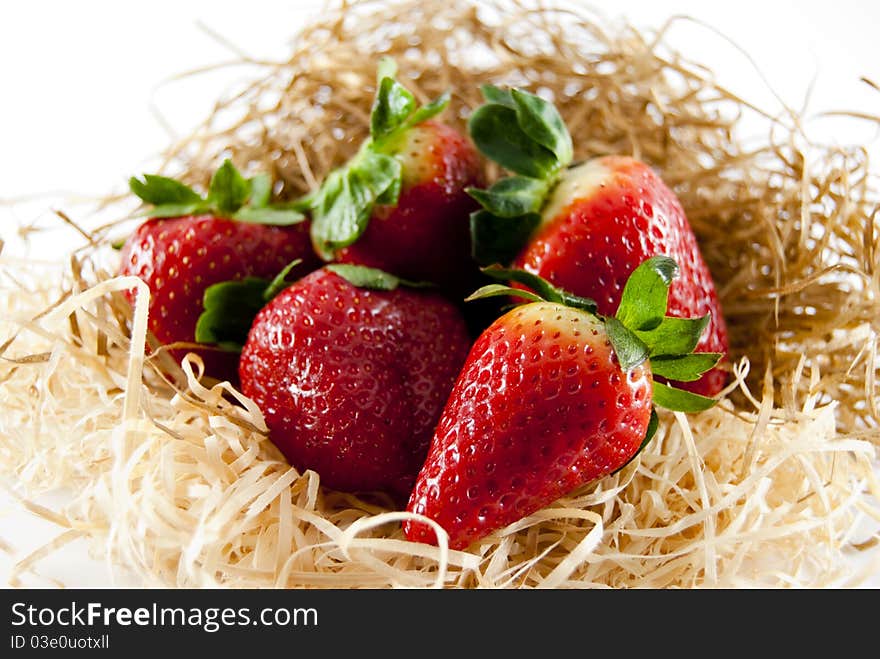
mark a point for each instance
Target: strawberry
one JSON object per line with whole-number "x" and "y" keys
{"x": 351, "y": 370}
{"x": 553, "y": 396}
{"x": 400, "y": 203}
{"x": 586, "y": 228}
{"x": 191, "y": 242}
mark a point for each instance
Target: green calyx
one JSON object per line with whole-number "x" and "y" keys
{"x": 541, "y": 289}
{"x": 373, "y": 278}
{"x": 639, "y": 332}
{"x": 521, "y": 132}
{"x": 526, "y": 136}
{"x": 230, "y": 307}
{"x": 341, "y": 208}
{"x": 230, "y": 195}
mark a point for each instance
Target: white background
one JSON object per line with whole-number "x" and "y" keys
{"x": 81, "y": 83}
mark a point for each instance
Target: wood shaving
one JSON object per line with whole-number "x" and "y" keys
{"x": 174, "y": 479}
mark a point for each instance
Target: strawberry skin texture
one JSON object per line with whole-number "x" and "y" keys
{"x": 178, "y": 258}
{"x": 352, "y": 381}
{"x": 541, "y": 407}
{"x": 604, "y": 218}
{"x": 426, "y": 236}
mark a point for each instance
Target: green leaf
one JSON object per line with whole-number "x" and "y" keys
{"x": 500, "y": 290}
{"x": 521, "y": 132}
{"x": 541, "y": 121}
{"x": 303, "y": 204}
{"x": 339, "y": 220}
{"x": 230, "y": 195}
{"x": 578, "y": 302}
{"x": 228, "y": 189}
{"x": 394, "y": 107}
{"x": 544, "y": 289}
{"x": 160, "y": 190}
{"x": 496, "y": 132}
{"x": 393, "y": 104}
{"x": 179, "y": 210}
{"x": 280, "y": 282}
{"x": 374, "y": 176}
{"x": 261, "y": 191}
{"x": 643, "y": 303}
{"x": 679, "y": 400}
{"x": 512, "y": 196}
{"x": 266, "y": 215}
{"x": 494, "y": 94}
{"x": 429, "y": 111}
{"x": 343, "y": 205}
{"x": 686, "y": 368}
{"x": 497, "y": 239}
{"x": 373, "y": 278}
{"x": 230, "y": 308}
{"x": 674, "y": 336}
{"x": 630, "y": 350}
{"x": 391, "y": 194}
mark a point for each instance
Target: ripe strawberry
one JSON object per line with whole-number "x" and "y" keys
{"x": 623, "y": 199}
{"x": 586, "y": 228}
{"x": 400, "y": 204}
{"x": 551, "y": 397}
{"x": 191, "y": 243}
{"x": 352, "y": 380}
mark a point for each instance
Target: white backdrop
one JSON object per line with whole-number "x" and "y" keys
{"x": 82, "y": 84}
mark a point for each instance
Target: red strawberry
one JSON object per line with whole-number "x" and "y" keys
{"x": 425, "y": 235}
{"x": 587, "y": 228}
{"x": 192, "y": 243}
{"x": 401, "y": 204}
{"x": 552, "y": 397}
{"x": 604, "y": 218}
{"x": 352, "y": 380}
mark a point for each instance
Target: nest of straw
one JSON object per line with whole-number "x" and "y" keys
{"x": 175, "y": 480}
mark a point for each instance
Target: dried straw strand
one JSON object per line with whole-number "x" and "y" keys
{"x": 176, "y": 480}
